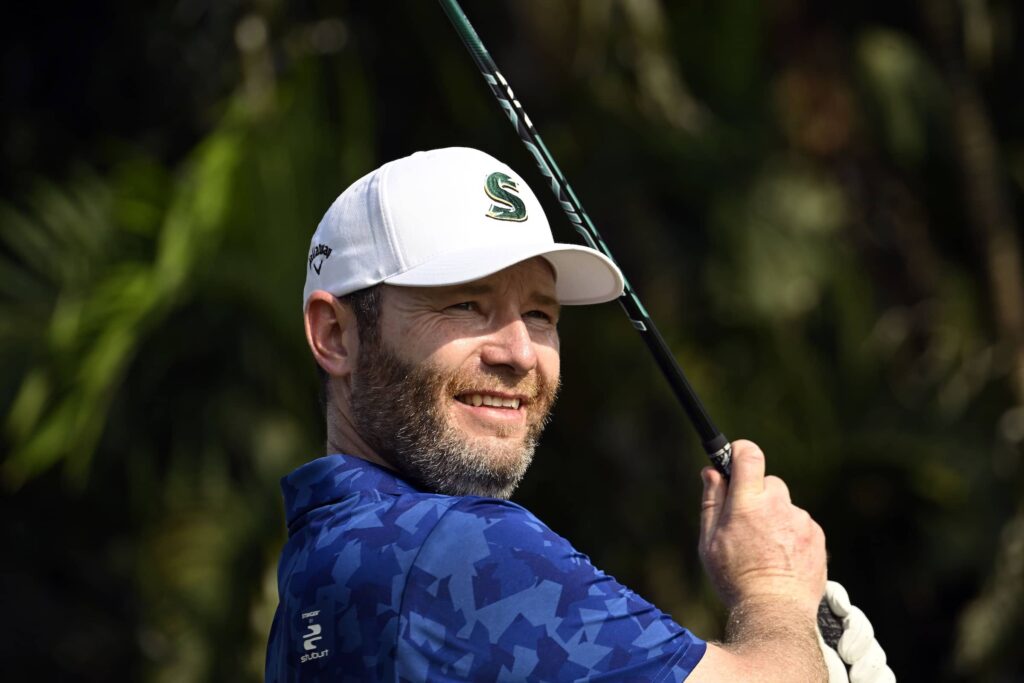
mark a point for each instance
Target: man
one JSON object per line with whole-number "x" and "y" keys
{"x": 431, "y": 305}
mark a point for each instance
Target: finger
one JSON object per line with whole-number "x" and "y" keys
{"x": 833, "y": 662}
{"x": 715, "y": 490}
{"x": 776, "y": 486}
{"x": 747, "y": 472}
{"x": 838, "y": 599}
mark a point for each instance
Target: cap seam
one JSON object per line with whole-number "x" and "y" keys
{"x": 385, "y": 214}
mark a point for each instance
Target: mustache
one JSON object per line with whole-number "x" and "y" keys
{"x": 532, "y": 387}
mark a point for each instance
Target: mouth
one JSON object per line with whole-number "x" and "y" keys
{"x": 491, "y": 400}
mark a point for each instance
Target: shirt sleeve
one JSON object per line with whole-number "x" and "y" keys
{"x": 495, "y": 595}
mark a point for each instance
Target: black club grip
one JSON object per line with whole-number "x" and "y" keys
{"x": 829, "y": 624}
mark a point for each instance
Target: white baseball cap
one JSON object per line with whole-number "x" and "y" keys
{"x": 445, "y": 217}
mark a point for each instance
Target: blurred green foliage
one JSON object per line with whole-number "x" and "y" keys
{"x": 818, "y": 204}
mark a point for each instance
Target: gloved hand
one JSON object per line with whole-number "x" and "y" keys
{"x": 857, "y": 647}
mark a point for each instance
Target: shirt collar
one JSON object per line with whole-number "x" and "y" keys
{"x": 333, "y": 477}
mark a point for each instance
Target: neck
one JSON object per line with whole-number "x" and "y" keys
{"x": 343, "y": 437}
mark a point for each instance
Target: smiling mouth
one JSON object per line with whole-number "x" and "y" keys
{"x": 491, "y": 400}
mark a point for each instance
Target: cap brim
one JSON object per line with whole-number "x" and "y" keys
{"x": 582, "y": 275}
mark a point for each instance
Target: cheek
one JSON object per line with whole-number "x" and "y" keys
{"x": 450, "y": 358}
{"x": 427, "y": 339}
{"x": 448, "y": 353}
{"x": 550, "y": 362}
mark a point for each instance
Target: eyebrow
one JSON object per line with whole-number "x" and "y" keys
{"x": 474, "y": 289}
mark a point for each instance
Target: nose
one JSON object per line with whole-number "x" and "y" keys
{"x": 510, "y": 345}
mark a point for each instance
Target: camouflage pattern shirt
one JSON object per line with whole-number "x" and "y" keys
{"x": 382, "y": 582}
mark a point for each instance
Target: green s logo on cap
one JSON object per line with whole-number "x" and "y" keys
{"x": 507, "y": 206}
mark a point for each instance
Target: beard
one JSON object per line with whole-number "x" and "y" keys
{"x": 401, "y": 410}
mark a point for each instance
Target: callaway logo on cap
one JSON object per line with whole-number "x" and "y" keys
{"x": 445, "y": 217}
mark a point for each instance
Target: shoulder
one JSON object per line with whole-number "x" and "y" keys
{"x": 359, "y": 545}
{"x": 483, "y": 551}
{"x": 340, "y": 584}
{"x": 497, "y": 521}
{"x": 476, "y": 534}
{"x": 493, "y": 588}
{"x": 370, "y": 522}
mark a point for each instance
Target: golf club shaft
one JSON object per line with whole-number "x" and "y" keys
{"x": 714, "y": 442}
{"x": 716, "y": 445}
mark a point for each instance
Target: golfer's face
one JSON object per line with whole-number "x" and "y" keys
{"x": 498, "y": 335}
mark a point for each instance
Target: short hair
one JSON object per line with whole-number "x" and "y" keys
{"x": 365, "y": 305}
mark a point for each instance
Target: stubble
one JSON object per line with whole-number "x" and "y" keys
{"x": 401, "y": 411}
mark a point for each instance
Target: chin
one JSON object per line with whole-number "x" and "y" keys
{"x": 487, "y": 466}
{"x": 504, "y": 455}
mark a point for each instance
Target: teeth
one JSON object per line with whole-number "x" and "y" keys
{"x": 478, "y": 400}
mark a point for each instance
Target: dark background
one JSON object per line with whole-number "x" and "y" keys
{"x": 818, "y": 203}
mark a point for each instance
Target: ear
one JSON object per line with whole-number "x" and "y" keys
{"x": 331, "y": 334}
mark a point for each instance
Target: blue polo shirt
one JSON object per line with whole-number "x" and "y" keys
{"x": 382, "y": 582}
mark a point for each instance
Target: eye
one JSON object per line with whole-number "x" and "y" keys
{"x": 463, "y": 306}
{"x": 539, "y": 315}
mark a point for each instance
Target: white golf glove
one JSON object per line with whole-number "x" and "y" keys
{"x": 857, "y": 647}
